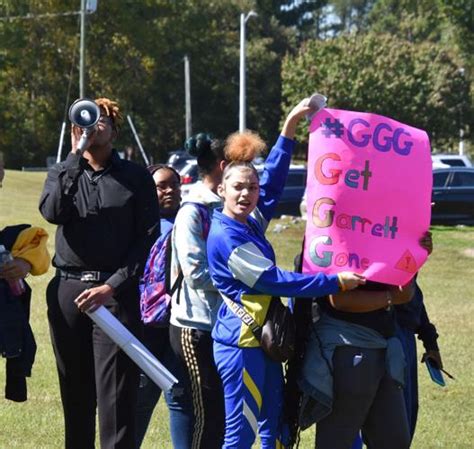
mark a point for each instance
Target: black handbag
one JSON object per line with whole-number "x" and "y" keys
{"x": 277, "y": 336}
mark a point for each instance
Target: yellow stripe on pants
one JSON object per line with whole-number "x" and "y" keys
{"x": 254, "y": 391}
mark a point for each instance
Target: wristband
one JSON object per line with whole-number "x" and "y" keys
{"x": 389, "y": 301}
{"x": 340, "y": 281}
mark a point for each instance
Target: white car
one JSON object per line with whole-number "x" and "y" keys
{"x": 450, "y": 160}
{"x": 189, "y": 177}
{"x": 303, "y": 207}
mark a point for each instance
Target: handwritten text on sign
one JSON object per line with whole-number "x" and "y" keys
{"x": 368, "y": 196}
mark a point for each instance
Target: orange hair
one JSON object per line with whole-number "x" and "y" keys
{"x": 243, "y": 147}
{"x": 111, "y": 109}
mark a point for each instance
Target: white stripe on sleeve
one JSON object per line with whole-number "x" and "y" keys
{"x": 247, "y": 263}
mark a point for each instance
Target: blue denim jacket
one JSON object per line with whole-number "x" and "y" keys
{"x": 316, "y": 377}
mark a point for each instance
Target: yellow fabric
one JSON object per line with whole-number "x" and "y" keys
{"x": 30, "y": 245}
{"x": 254, "y": 391}
{"x": 256, "y": 306}
{"x": 279, "y": 445}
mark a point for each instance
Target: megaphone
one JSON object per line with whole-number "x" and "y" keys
{"x": 85, "y": 114}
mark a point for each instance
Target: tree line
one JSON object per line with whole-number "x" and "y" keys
{"x": 412, "y": 61}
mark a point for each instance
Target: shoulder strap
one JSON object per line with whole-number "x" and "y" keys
{"x": 177, "y": 283}
{"x": 246, "y": 318}
{"x": 179, "y": 279}
{"x": 168, "y": 251}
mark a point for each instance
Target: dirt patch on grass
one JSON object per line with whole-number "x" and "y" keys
{"x": 469, "y": 252}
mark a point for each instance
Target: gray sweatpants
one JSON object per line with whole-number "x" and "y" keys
{"x": 366, "y": 398}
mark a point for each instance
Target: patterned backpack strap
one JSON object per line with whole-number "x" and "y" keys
{"x": 154, "y": 298}
{"x": 206, "y": 220}
{"x": 204, "y": 212}
{"x": 179, "y": 278}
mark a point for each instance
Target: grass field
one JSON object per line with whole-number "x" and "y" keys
{"x": 446, "y": 418}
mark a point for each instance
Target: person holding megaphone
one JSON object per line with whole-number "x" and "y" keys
{"x": 107, "y": 214}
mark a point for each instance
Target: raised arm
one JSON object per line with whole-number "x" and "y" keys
{"x": 273, "y": 178}
{"x": 301, "y": 110}
{"x": 57, "y": 199}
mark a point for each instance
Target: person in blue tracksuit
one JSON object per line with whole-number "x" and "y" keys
{"x": 242, "y": 266}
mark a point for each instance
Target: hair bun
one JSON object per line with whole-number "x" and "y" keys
{"x": 198, "y": 145}
{"x": 243, "y": 147}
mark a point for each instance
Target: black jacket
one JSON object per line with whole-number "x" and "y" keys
{"x": 107, "y": 220}
{"x": 17, "y": 343}
{"x": 413, "y": 316}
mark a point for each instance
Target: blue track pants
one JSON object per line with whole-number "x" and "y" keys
{"x": 253, "y": 392}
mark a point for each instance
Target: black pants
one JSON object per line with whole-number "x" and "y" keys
{"x": 178, "y": 399}
{"x": 194, "y": 349}
{"x": 93, "y": 371}
{"x": 366, "y": 398}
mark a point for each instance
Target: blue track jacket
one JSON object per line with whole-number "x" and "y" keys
{"x": 242, "y": 261}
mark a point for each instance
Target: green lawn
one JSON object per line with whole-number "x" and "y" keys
{"x": 446, "y": 418}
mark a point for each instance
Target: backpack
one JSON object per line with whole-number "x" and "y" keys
{"x": 155, "y": 290}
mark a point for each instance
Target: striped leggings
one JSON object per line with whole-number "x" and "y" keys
{"x": 194, "y": 349}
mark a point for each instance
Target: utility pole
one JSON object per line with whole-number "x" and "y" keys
{"x": 242, "y": 123}
{"x": 187, "y": 95}
{"x": 461, "y": 128}
{"x": 82, "y": 49}
{"x": 242, "y": 84}
{"x": 87, "y": 7}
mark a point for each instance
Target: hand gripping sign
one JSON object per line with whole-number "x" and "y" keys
{"x": 368, "y": 196}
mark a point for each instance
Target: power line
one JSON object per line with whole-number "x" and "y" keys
{"x": 30, "y": 16}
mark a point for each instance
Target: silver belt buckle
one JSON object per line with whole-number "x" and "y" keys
{"x": 90, "y": 276}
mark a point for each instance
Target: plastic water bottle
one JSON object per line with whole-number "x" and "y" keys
{"x": 17, "y": 286}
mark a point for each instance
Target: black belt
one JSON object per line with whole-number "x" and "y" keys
{"x": 84, "y": 276}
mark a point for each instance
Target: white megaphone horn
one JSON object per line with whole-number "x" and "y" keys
{"x": 85, "y": 114}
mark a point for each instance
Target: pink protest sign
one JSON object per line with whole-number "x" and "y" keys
{"x": 368, "y": 196}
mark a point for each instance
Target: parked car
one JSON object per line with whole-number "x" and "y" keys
{"x": 189, "y": 176}
{"x": 293, "y": 191}
{"x": 450, "y": 160}
{"x": 290, "y": 199}
{"x": 453, "y": 195}
{"x": 178, "y": 159}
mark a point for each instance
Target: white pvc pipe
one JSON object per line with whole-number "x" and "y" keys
{"x": 137, "y": 139}
{"x": 133, "y": 348}
{"x": 61, "y": 140}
